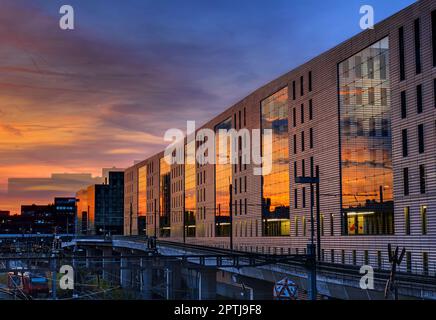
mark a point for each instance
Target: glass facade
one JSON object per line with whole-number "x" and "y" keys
{"x": 275, "y": 185}
{"x": 142, "y": 199}
{"x": 366, "y": 148}
{"x": 223, "y": 178}
{"x": 164, "y": 198}
{"x": 190, "y": 200}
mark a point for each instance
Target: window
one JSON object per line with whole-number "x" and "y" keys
{"x": 311, "y": 107}
{"x": 295, "y": 169}
{"x": 419, "y": 98}
{"x": 371, "y": 96}
{"x": 311, "y": 167}
{"x": 354, "y": 257}
{"x": 310, "y": 81}
{"x": 302, "y": 141}
{"x": 406, "y": 181}
{"x": 405, "y": 146}
{"x": 417, "y": 46}
{"x": 407, "y": 221}
{"x": 363, "y": 148}
{"x": 311, "y": 138}
{"x": 421, "y": 138}
{"x": 296, "y": 226}
{"x": 403, "y": 105}
{"x": 332, "y": 255}
{"x": 332, "y": 220}
{"x": 322, "y": 224}
{"x": 425, "y": 263}
{"x": 433, "y": 36}
{"x": 384, "y": 97}
{"x": 422, "y": 179}
{"x": 302, "y": 113}
{"x": 294, "y": 117}
{"x": 296, "y": 198}
{"x": 401, "y": 48}
{"x": 303, "y": 168}
{"x": 294, "y": 94}
{"x": 303, "y": 196}
{"x": 295, "y": 144}
{"x": 366, "y": 257}
{"x": 408, "y": 261}
{"x": 304, "y": 225}
{"x": 379, "y": 259}
{"x": 301, "y": 86}
{"x": 423, "y": 210}
{"x": 343, "y": 256}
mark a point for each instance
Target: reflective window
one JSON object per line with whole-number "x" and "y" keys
{"x": 223, "y": 178}
{"x": 190, "y": 200}
{"x": 165, "y": 198}
{"x": 366, "y": 149}
{"x": 275, "y": 186}
{"x": 142, "y": 199}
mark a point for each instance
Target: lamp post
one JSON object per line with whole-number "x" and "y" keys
{"x": 311, "y": 247}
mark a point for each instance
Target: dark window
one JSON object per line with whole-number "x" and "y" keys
{"x": 332, "y": 230}
{"x": 421, "y": 138}
{"x": 383, "y": 70}
{"x": 403, "y": 105}
{"x": 422, "y": 178}
{"x": 311, "y": 167}
{"x": 311, "y": 138}
{"x": 358, "y": 68}
{"x": 303, "y": 168}
{"x": 370, "y": 64}
{"x": 405, "y": 146}
{"x": 423, "y": 210}
{"x": 401, "y": 48}
{"x": 409, "y": 261}
{"x": 310, "y": 81}
{"x": 425, "y": 263}
{"x": 406, "y": 181}
{"x": 302, "y": 113}
{"x": 295, "y": 144}
{"x": 407, "y": 220}
{"x": 433, "y": 37}
{"x": 295, "y": 169}
{"x": 245, "y": 117}
{"x": 302, "y": 141}
{"x": 294, "y": 95}
{"x": 296, "y": 198}
{"x": 294, "y": 117}
{"x": 434, "y": 92}
{"x": 419, "y": 98}
{"x": 303, "y": 194}
{"x": 417, "y": 46}
{"x": 311, "y": 107}
{"x": 301, "y": 86}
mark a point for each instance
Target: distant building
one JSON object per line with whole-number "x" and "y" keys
{"x": 4, "y": 214}
{"x": 101, "y": 206}
{"x": 65, "y": 214}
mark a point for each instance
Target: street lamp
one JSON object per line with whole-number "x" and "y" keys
{"x": 311, "y": 247}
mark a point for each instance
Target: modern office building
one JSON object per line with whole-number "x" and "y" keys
{"x": 362, "y": 115}
{"x": 100, "y": 207}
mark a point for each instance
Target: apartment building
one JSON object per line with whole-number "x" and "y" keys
{"x": 361, "y": 116}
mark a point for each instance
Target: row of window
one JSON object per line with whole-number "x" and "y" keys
{"x": 419, "y": 100}
{"x": 303, "y": 144}
{"x": 417, "y": 46}
{"x": 302, "y": 113}
{"x": 423, "y": 216}
{"x": 422, "y": 180}
{"x": 405, "y": 140}
{"x": 294, "y": 86}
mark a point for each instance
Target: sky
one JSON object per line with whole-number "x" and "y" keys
{"x": 103, "y": 95}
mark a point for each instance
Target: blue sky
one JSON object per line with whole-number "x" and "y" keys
{"x": 104, "y": 94}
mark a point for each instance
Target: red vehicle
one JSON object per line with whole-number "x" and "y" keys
{"x": 28, "y": 283}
